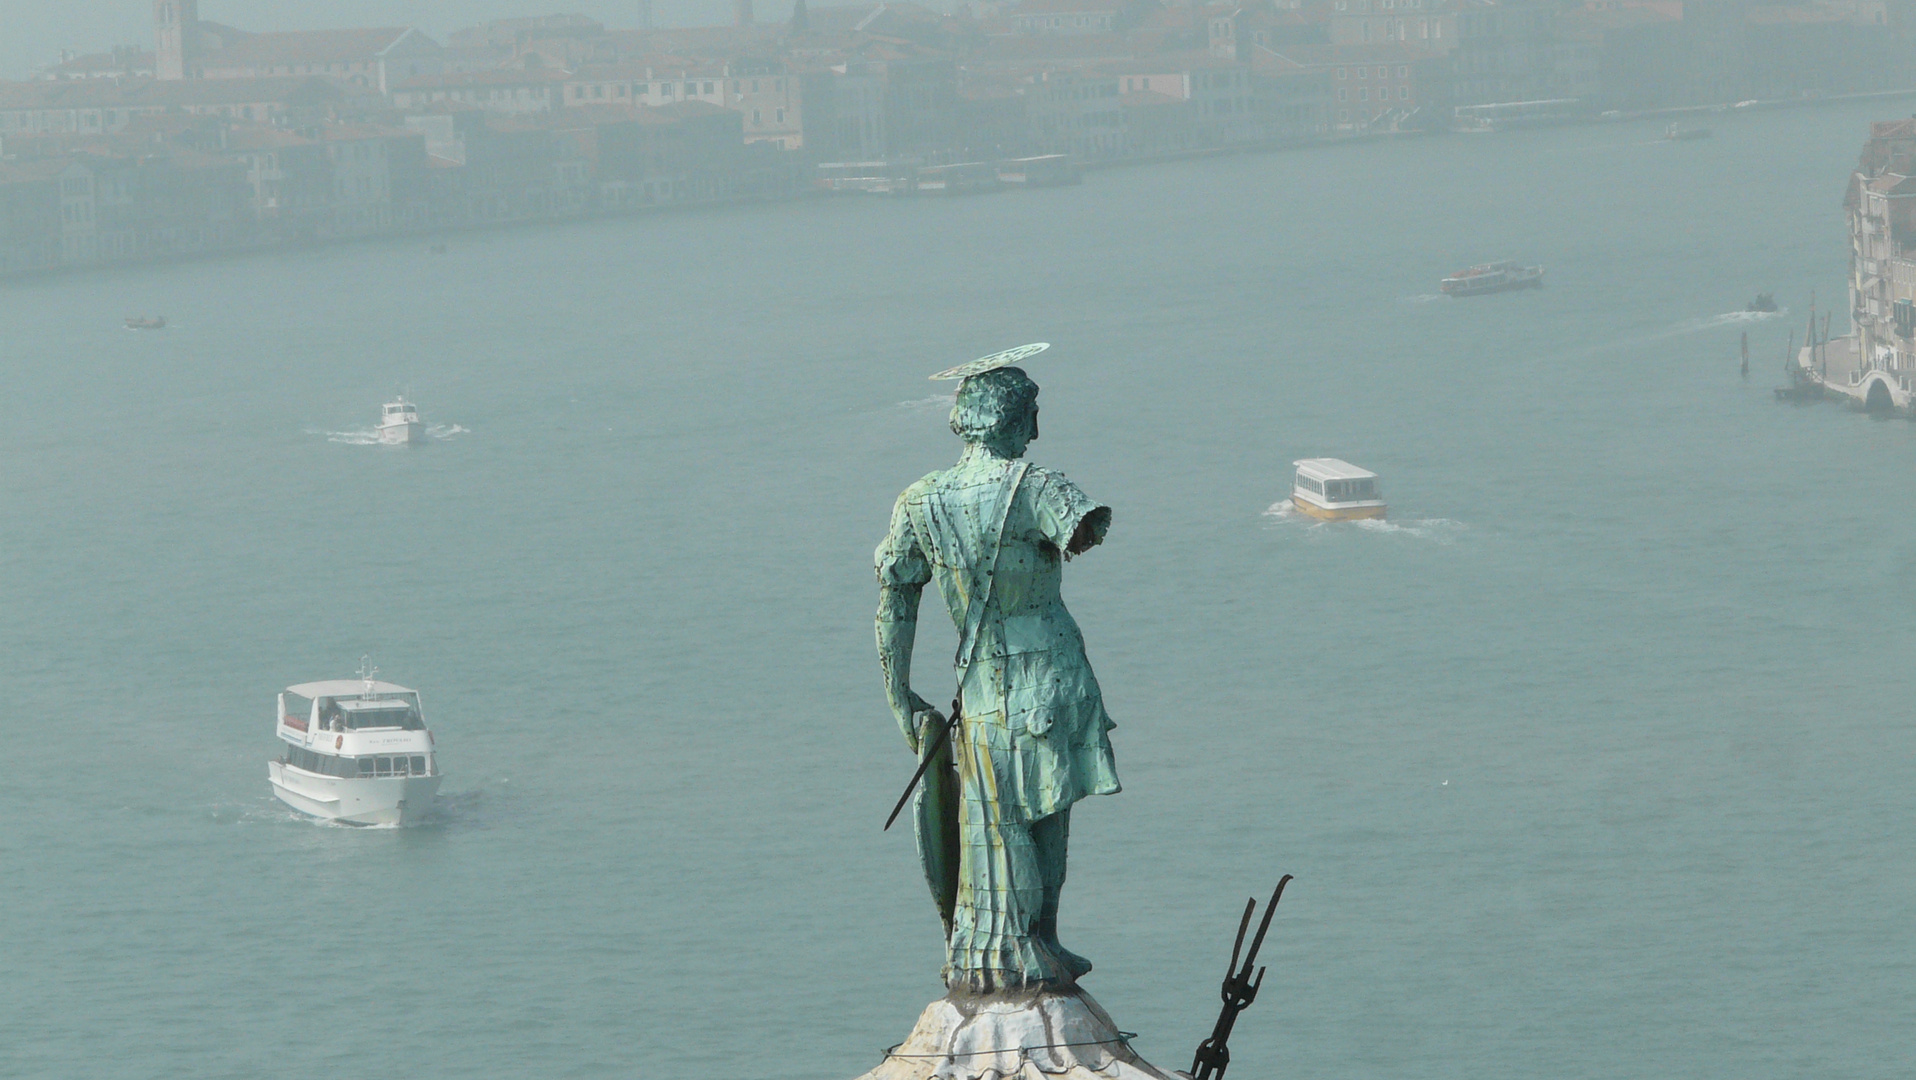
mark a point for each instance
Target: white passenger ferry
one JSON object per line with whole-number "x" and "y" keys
{"x": 399, "y": 423}
{"x": 1336, "y": 490}
{"x": 356, "y": 750}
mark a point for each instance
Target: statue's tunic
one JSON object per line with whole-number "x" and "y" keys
{"x": 1033, "y": 740}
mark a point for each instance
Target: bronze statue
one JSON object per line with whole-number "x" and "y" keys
{"x": 1029, "y": 734}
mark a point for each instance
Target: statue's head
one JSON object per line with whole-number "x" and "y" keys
{"x": 997, "y": 409}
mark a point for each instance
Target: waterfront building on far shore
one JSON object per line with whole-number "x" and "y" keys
{"x": 106, "y": 106}
{"x": 1881, "y": 207}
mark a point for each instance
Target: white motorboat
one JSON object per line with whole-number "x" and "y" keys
{"x": 355, "y": 751}
{"x": 399, "y": 423}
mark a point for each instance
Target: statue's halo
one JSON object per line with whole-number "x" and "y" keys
{"x": 993, "y": 362}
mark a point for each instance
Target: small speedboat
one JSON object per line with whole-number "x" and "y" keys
{"x": 1336, "y": 490}
{"x": 1490, "y": 278}
{"x": 1683, "y": 134}
{"x": 399, "y": 423}
{"x": 141, "y": 322}
{"x": 355, "y": 751}
{"x": 1763, "y": 302}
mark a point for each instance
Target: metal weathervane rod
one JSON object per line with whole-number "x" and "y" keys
{"x": 1240, "y": 989}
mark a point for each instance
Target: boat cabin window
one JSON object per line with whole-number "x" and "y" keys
{"x": 413, "y": 765}
{"x": 351, "y": 768}
{"x": 1309, "y": 484}
{"x": 298, "y": 709}
{"x": 1350, "y": 490}
{"x": 324, "y": 764}
{"x": 352, "y": 714}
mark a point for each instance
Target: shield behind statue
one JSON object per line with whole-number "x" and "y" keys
{"x": 936, "y": 810}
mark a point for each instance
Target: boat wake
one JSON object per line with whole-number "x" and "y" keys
{"x": 1284, "y": 514}
{"x": 1729, "y": 318}
{"x": 1441, "y": 530}
{"x": 270, "y": 811}
{"x": 370, "y": 436}
{"x": 1424, "y": 298}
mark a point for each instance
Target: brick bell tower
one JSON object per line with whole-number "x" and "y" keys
{"x": 176, "y": 25}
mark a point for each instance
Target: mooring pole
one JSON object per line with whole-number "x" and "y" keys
{"x": 1746, "y": 354}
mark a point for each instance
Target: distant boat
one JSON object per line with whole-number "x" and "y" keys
{"x": 141, "y": 322}
{"x": 1492, "y": 277}
{"x": 1763, "y": 302}
{"x": 399, "y": 423}
{"x": 1683, "y": 134}
{"x": 1336, "y": 490}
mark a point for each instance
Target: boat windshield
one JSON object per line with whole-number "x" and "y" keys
{"x": 388, "y": 711}
{"x": 1350, "y": 490}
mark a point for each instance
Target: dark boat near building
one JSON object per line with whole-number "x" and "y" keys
{"x": 1763, "y": 302}
{"x": 1492, "y": 277}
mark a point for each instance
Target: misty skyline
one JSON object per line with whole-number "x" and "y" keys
{"x": 36, "y": 32}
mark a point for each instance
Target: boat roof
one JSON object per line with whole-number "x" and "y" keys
{"x": 345, "y": 688}
{"x": 1330, "y": 468}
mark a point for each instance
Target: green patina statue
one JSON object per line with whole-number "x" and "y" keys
{"x": 993, "y": 816}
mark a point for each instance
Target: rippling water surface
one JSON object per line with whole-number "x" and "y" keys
{"x": 1594, "y": 760}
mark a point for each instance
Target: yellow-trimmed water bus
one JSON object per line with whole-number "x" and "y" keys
{"x": 1336, "y": 490}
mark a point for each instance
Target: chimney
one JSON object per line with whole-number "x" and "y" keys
{"x": 742, "y": 12}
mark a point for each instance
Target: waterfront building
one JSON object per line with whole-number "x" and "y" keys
{"x": 1431, "y": 24}
{"x": 166, "y": 201}
{"x": 291, "y": 177}
{"x": 377, "y": 58}
{"x": 378, "y": 180}
{"x": 29, "y": 216}
{"x": 1375, "y": 86}
{"x": 1881, "y": 207}
{"x": 1078, "y": 113}
{"x": 1071, "y": 17}
{"x": 511, "y": 91}
{"x": 106, "y": 106}
{"x": 1198, "y": 100}
{"x": 125, "y": 62}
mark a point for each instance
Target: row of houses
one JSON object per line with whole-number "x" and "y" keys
{"x": 181, "y": 185}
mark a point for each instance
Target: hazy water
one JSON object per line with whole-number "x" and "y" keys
{"x": 1595, "y": 761}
